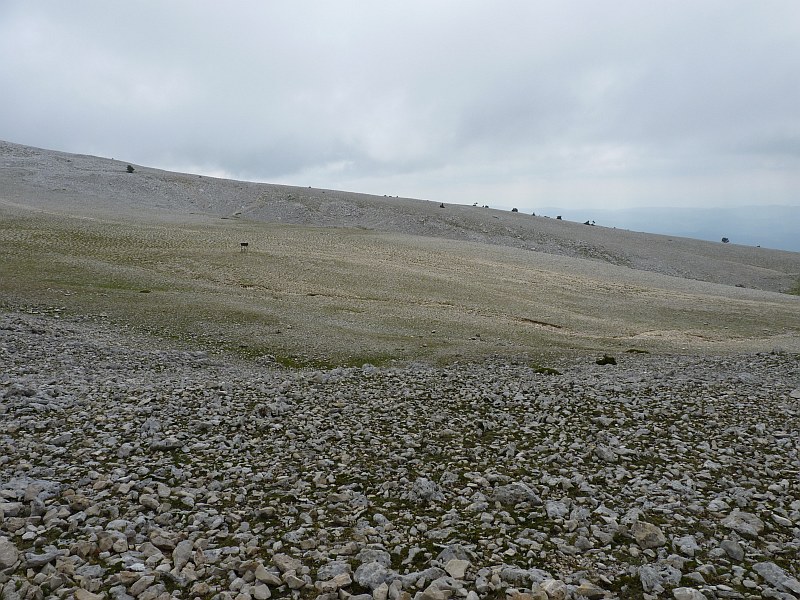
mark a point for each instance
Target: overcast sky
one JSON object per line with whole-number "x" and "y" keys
{"x": 508, "y": 103}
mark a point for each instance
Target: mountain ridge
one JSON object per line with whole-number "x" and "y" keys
{"x": 84, "y": 184}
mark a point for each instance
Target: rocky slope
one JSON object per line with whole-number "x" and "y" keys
{"x": 134, "y": 471}
{"x": 79, "y": 184}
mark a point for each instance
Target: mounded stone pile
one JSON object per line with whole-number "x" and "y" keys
{"x": 128, "y": 471}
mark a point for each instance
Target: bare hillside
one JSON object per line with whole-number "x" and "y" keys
{"x": 338, "y": 278}
{"x": 78, "y": 184}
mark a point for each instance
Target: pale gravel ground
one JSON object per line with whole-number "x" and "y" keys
{"x": 340, "y": 294}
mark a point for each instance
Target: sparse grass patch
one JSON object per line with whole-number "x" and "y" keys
{"x": 544, "y": 370}
{"x": 795, "y": 289}
{"x": 291, "y": 361}
{"x": 119, "y": 285}
{"x": 341, "y": 297}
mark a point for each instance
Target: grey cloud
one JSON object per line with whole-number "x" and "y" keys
{"x": 627, "y": 102}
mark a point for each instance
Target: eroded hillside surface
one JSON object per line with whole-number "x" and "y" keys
{"x": 88, "y": 185}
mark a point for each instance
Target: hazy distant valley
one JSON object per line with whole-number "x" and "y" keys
{"x": 765, "y": 226}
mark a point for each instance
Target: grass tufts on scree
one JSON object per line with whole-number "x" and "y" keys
{"x": 795, "y": 289}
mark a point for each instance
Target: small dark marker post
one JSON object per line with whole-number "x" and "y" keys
{"x": 243, "y": 246}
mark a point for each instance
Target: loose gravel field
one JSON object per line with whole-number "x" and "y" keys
{"x": 133, "y": 470}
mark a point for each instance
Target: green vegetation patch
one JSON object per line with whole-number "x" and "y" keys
{"x": 544, "y": 370}
{"x": 795, "y": 289}
{"x": 321, "y": 298}
{"x": 301, "y": 362}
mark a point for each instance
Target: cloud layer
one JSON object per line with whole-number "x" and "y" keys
{"x": 512, "y": 103}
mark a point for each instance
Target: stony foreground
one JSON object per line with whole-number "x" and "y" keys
{"x": 133, "y": 472}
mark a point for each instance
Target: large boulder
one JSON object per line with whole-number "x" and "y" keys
{"x": 744, "y": 523}
{"x": 648, "y": 535}
{"x": 373, "y": 574}
{"x": 424, "y": 491}
{"x": 9, "y": 555}
{"x": 777, "y": 577}
{"x": 516, "y": 492}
